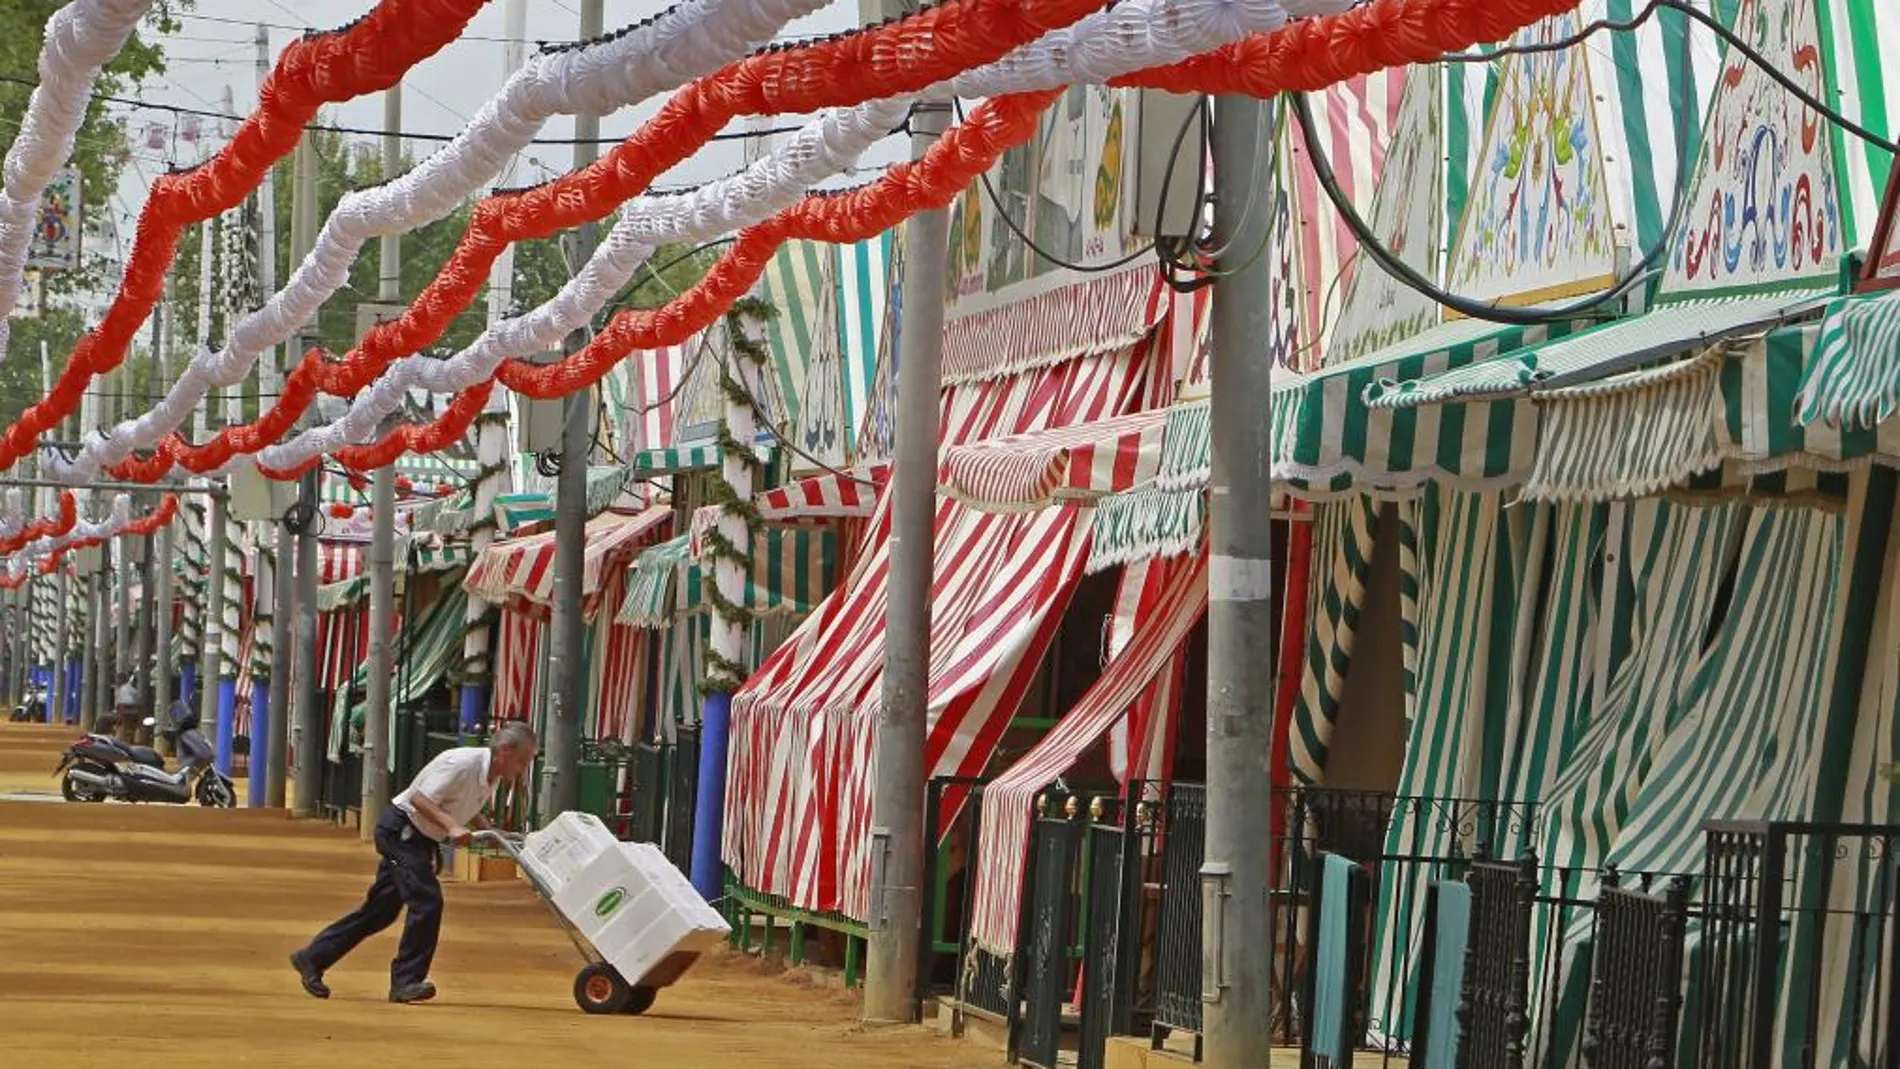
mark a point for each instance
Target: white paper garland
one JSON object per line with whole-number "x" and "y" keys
{"x": 820, "y": 149}
{"x": 1133, "y": 35}
{"x": 692, "y": 39}
{"x": 81, "y": 39}
{"x": 116, "y": 521}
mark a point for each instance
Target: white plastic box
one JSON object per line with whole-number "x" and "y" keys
{"x": 557, "y": 852}
{"x": 638, "y": 910}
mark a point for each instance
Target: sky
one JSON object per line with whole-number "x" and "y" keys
{"x": 215, "y": 48}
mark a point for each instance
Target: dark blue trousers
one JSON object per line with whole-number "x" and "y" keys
{"x": 405, "y": 878}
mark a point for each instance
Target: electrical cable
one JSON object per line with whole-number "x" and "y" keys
{"x": 1786, "y": 81}
{"x": 1002, "y": 213}
{"x": 1474, "y": 309}
{"x": 359, "y": 131}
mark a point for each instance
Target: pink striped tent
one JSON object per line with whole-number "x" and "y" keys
{"x": 342, "y": 637}
{"x": 517, "y": 655}
{"x": 803, "y": 732}
{"x": 1026, "y": 472}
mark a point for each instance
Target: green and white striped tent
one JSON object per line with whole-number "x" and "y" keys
{"x": 831, "y": 316}
{"x": 792, "y": 571}
{"x": 426, "y": 651}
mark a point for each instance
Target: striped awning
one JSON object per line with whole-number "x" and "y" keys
{"x": 791, "y": 572}
{"x": 515, "y": 511}
{"x": 1103, "y": 314}
{"x": 519, "y": 572}
{"x": 1025, "y": 472}
{"x": 679, "y": 459}
{"x": 1334, "y": 438}
{"x": 417, "y": 555}
{"x": 1853, "y": 378}
{"x": 845, "y": 493}
{"x": 1593, "y": 354}
{"x": 424, "y": 655}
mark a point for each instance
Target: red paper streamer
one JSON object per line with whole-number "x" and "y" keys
{"x": 140, "y": 527}
{"x": 46, "y": 526}
{"x": 1306, "y": 55}
{"x": 881, "y": 61}
{"x": 368, "y": 56}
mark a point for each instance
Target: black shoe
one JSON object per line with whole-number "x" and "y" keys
{"x": 421, "y": 991}
{"x": 311, "y": 976}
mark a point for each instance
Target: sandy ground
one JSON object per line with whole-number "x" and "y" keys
{"x": 170, "y": 927}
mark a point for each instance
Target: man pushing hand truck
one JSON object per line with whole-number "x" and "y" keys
{"x": 441, "y": 805}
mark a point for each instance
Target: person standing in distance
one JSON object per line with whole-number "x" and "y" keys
{"x": 440, "y": 806}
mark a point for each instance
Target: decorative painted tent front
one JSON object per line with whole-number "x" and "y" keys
{"x": 804, "y": 726}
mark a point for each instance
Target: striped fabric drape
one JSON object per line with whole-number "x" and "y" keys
{"x": 342, "y": 638}
{"x": 803, "y": 731}
{"x": 1173, "y": 598}
{"x": 1343, "y": 536}
{"x": 1471, "y": 560}
{"x": 616, "y": 677}
{"x": 517, "y": 658}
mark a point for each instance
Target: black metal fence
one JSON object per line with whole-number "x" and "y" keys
{"x": 1182, "y": 837}
{"x": 1111, "y": 941}
{"x": 1799, "y": 956}
{"x": 1636, "y": 981}
{"x": 1494, "y": 1014}
{"x": 1047, "y": 933}
{"x": 682, "y": 781}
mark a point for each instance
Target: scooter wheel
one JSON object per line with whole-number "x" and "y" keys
{"x": 640, "y": 1001}
{"x": 213, "y": 794}
{"x": 599, "y": 989}
{"x": 74, "y": 791}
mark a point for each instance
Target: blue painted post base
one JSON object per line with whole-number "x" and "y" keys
{"x": 715, "y": 728}
{"x": 474, "y": 706}
{"x": 260, "y": 741}
{"x": 227, "y": 723}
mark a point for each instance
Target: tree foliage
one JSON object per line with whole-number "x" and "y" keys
{"x": 100, "y": 153}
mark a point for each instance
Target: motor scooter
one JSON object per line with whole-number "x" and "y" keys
{"x": 98, "y": 767}
{"x": 32, "y": 708}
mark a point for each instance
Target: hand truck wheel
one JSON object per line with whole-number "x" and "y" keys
{"x": 640, "y": 1000}
{"x": 600, "y": 989}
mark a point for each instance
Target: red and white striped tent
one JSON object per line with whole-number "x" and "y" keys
{"x": 518, "y": 573}
{"x": 1158, "y": 604}
{"x": 803, "y": 731}
{"x": 848, "y": 493}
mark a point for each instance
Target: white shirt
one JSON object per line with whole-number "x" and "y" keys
{"x": 128, "y": 694}
{"x": 457, "y": 782}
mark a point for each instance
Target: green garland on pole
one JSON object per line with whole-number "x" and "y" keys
{"x": 724, "y": 675}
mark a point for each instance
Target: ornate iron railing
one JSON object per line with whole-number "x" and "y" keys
{"x": 1636, "y": 976}
{"x": 1494, "y": 1014}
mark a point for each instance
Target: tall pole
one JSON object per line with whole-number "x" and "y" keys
{"x": 284, "y": 585}
{"x": 897, "y": 807}
{"x": 491, "y": 427}
{"x": 305, "y": 733}
{"x": 1240, "y": 624}
{"x": 382, "y": 546}
{"x": 160, "y": 594}
{"x": 566, "y": 687}
{"x": 211, "y": 708}
{"x": 57, "y": 706}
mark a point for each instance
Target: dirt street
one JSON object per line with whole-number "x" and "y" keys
{"x": 167, "y": 929}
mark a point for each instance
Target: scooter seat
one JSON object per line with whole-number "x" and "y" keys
{"x": 145, "y": 755}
